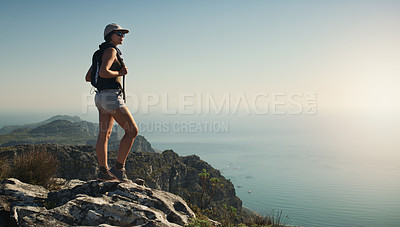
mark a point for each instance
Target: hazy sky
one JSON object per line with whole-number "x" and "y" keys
{"x": 348, "y": 52}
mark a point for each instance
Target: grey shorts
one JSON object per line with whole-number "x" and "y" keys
{"x": 109, "y": 99}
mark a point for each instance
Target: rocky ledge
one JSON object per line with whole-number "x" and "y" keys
{"x": 89, "y": 203}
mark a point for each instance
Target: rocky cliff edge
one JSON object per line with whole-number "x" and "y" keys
{"x": 89, "y": 203}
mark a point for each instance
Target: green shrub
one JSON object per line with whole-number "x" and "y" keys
{"x": 274, "y": 218}
{"x": 208, "y": 188}
{"x": 196, "y": 222}
{"x": 34, "y": 167}
{"x": 4, "y": 169}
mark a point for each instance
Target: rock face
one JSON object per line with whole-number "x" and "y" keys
{"x": 90, "y": 203}
{"x": 163, "y": 171}
{"x": 75, "y": 162}
{"x": 170, "y": 172}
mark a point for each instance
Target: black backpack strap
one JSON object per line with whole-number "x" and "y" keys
{"x": 123, "y": 79}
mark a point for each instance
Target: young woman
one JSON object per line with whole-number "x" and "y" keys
{"x": 111, "y": 106}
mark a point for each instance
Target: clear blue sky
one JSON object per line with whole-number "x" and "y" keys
{"x": 346, "y": 51}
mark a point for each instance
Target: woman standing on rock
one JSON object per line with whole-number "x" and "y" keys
{"x": 111, "y": 105}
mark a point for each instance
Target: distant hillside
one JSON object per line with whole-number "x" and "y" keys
{"x": 66, "y": 130}
{"x": 10, "y": 128}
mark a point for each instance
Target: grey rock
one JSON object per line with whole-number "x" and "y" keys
{"x": 92, "y": 203}
{"x": 165, "y": 171}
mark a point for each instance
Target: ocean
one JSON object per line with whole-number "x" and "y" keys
{"x": 331, "y": 172}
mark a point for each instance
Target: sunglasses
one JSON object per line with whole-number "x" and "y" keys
{"x": 120, "y": 33}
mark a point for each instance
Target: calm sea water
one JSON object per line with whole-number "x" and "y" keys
{"x": 342, "y": 172}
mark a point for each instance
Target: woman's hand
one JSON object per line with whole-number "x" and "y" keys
{"x": 123, "y": 71}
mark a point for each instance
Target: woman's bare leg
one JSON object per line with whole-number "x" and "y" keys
{"x": 124, "y": 118}
{"x": 106, "y": 122}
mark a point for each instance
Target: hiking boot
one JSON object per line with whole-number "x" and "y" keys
{"x": 120, "y": 175}
{"x": 105, "y": 176}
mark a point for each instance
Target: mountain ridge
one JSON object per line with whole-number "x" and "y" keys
{"x": 66, "y": 130}
{"x": 10, "y": 128}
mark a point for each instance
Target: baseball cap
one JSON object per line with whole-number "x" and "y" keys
{"x": 114, "y": 27}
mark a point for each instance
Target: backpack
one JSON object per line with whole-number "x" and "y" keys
{"x": 96, "y": 64}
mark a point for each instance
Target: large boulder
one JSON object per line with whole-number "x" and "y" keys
{"x": 90, "y": 203}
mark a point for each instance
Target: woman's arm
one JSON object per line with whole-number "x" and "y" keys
{"x": 88, "y": 74}
{"x": 109, "y": 56}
